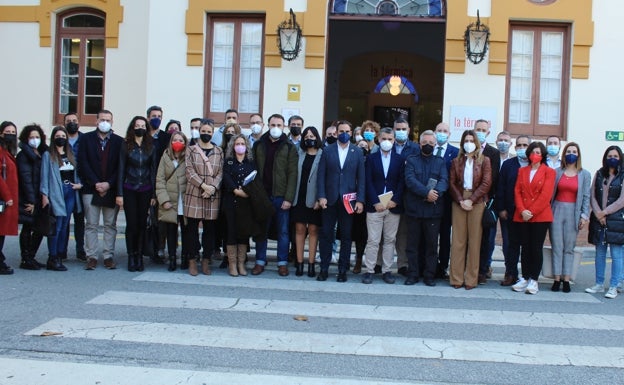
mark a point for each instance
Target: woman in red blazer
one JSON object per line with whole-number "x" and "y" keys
{"x": 533, "y": 192}
{"x": 8, "y": 188}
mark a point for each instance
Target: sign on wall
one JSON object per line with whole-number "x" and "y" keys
{"x": 464, "y": 117}
{"x": 614, "y": 136}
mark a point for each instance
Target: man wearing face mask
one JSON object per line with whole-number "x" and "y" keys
{"x": 341, "y": 171}
{"x": 448, "y": 152}
{"x": 98, "y": 167}
{"x": 73, "y": 126}
{"x": 404, "y": 147}
{"x": 195, "y": 125}
{"x": 257, "y": 127}
{"x": 506, "y": 206}
{"x": 276, "y": 159}
{"x": 231, "y": 116}
{"x": 331, "y": 135}
{"x": 553, "y": 146}
{"x": 503, "y": 143}
{"x": 295, "y": 125}
{"x": 488, "y": 237}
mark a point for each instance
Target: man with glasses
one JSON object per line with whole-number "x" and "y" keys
{"x": 505, "y": 205}
{"x": 257, "y": 127}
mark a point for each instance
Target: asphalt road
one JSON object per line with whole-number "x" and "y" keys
{"x": 157, "y": 327}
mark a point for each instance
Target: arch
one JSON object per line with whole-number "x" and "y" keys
{"x": 385, "y": 85}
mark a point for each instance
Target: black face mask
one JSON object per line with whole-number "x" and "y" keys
{"x": 309, "y": 143}
{"x": 60, "y": 142}
{"x": 227, "y": 138}
{"x": 205, "y": 138}
{"x": 71, "y": 128}
{"x": 10, "y": 138}
{"x": 426, "y": 149}
{"x": 139, "y": 132}
{"x": 295, "y": 131}
{"x": 331, "y": 139}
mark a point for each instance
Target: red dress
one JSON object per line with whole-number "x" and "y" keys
{"x": 8, "y": 191}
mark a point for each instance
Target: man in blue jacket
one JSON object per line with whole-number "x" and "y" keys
{"x": 426, "y": 180}
{"x": 340, "y": 172}
{"x": 384, "y": 175}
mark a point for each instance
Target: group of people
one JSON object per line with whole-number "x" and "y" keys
{"x": 375, "y": 186}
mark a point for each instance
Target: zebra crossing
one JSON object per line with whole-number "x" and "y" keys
{"x": 439, "y": 328}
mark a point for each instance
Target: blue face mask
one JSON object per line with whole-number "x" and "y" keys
{"x": 155, "y": 123}
{"x": 571, "y": 158}
{"x": 552, "y": 150}
{"x": 521, "y": 152}
{"x": 613, "y": 162}
{"x": 441, "y": 138}
{"x": 481, "y": 136}
{"x": 343, "y": 137}
{"x": 503, "y": 146}
{"x": 368, "y": 135}
{"x": 401, "y": 136}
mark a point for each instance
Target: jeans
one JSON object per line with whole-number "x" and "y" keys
{"x": 601, "y": 262}
{"x": 281, "y": 219}
{"x": 57, "y": 244}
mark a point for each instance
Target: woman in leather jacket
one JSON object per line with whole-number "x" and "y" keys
{"x": 135, "y": 189}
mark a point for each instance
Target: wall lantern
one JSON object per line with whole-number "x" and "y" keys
{"x": 289, "y": 38}
{"x": 477, "y": 35}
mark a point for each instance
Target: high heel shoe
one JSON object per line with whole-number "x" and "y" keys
{"x": 311, "y": 270}
{"x": 556, "y": 285}
{"x": 299, "y": 269}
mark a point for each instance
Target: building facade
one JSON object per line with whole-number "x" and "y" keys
{"x": 550, "y": 68}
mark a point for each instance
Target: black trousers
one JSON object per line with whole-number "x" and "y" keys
{"x": 207, "y": 238}
{"x": 423, "y": 231}
{"x": 136, "y": 206}
{"x": 445, "y": 235}
{"x": 79, "y": 229}
{"x": 29, "y": 241}
{"x": 172, "y": 236}
{"x": 532, "y": 235}
{"x": 331, "y": 215}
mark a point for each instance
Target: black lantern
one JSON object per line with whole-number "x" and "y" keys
{"x": 289, "y": 38}
{"x": 476, "y": 41}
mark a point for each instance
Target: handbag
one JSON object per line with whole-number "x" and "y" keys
{"x": 44, "y": 221}
{"x": 2, "y": 202}
{"x": 489, "y": 215}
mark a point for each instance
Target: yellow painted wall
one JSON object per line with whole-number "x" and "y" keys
{"x": 576, "y": 12}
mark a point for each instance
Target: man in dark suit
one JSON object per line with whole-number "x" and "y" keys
{"x": 448, "y": 152}
{"x": 482, "y": 129}
{"x": 506, "y": 206}
{"x": 98, "y": 166}
{"x": 341, "y": 171}
{"x": 384, "y": 174}
{"x": 72, "y": 125}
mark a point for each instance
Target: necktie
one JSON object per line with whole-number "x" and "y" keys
{"x": 439, "y": 152}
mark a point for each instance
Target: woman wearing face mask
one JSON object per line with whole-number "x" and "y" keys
{"x": 230, "y": 130}
{"x": 59, "y": 189}
{"x": 471, "y": 176}
{"x": 32, "y": 145}
{"x": 204, "y": 171}
{"x": 532, "y": 194}
{"x": 135, "y": 186}
{"x": 306, "y": 212}
{"x": 606, "y": 223}
{"x": 8, "y": 188}
{"x": 370, "y": 130}
{"x": 173, "y": 126}
{"x": 170, "y": 190}
{"x": 570, "y": 208}
{"x": 236, "y": 205}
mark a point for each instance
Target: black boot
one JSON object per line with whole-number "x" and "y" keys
{"x": 132, "y": 262}
{"x": 172, "y": 263}
{"x": 138, "y": 260}
{"x": 55, "y": 264}
{"x": 311, "y": 272}
{"x": 29, "y": 263}
{"x": 298, "y": 269}
{"x": 184, "y": 262}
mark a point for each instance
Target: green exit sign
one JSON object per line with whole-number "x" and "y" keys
{"x": 614, "y": 136}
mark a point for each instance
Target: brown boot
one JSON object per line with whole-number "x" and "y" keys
{"x": 205, "y": 266}
{"x": 240, "y": 258}
{"x": 192, "y": 268}
{"x": 357, "y": 269}
{"x": 231, "y": 256}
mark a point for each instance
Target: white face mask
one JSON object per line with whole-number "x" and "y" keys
{"x": 385, "y": 145}
{"x": 104, "y": 127}
{"x": 469, "y": 147}
{"x": 246, "y": 131}
{"x": 275, "y": 132}
{"x": 358, "y": 138}
{"x": 34, "y": 142}
{"x": 195, "y": 134}
{"x": 256, "y": 129}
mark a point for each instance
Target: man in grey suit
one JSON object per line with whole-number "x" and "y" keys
{"x": 341, "y": 171}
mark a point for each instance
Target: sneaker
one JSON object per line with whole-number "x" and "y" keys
{"x": 612, "y": 293}
{"x": 532, "y": 287}
{"x": 367, "y": 278}
{"x": 520, "y": 286}
{"x": 597, "y": 288}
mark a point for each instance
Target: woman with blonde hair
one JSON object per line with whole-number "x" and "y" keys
{"x": 470, "y": 180}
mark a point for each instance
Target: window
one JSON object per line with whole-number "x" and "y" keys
{"x": 537, "y": 80}
{"x": 234, "y": 68}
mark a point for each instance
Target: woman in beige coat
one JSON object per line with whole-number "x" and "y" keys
{"x": 170, "y": 191}
{"x": 204, "y": 170}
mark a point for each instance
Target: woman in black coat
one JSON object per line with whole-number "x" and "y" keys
{"x": 32, "y": 146}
